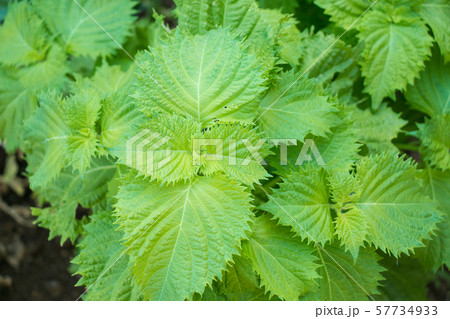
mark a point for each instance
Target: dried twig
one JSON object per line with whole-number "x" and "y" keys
{"x": 20, "y": 214}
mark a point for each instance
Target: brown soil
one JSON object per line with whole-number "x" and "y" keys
{"x": 34, "y": 268}
{"x": 31, "y": 267}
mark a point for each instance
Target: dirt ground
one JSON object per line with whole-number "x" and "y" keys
{"x": 31, "y": 267}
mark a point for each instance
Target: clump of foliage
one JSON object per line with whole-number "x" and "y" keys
{"x": 374, "y": 101}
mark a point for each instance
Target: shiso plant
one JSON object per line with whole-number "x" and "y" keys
{"x": 258, "y": 150}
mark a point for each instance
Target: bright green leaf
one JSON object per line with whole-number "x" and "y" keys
{"x": 344, "y": 12}
{"x": 302, "y": 202}
{"x": 67, "y": 192}
{"x": 377, "y": 129}
{"x": 396, "y": 45}
{"x": 203, "y": 77}
{"x": 22, "y": 35}
{"x": 16, "y": 105}
{"x": 436, "y": 13}
{"x": 295, "y": 107}
{"x": 399, "y": 215}
{"x": 431, "y": 92}
{"x": 45, "y": 134}
{"x": 436, "y": 252}
{"x": 345, "y": 279}
{"x": 286, "y": 265}
{"x": 240, "y": 282}
{"x": 435, "y": 137}
{"x": 235, "y": 159}
{"x": 180, "y": 238}
{"x": 48, "y": 73}
{"x": 103, "y": 263}
{"x": 85, "y": 32}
